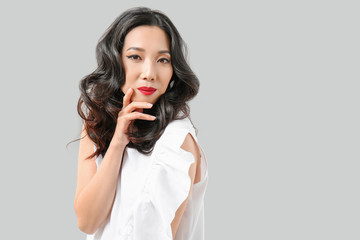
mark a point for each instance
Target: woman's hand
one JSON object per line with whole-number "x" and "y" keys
{"x": 128, "y": 114}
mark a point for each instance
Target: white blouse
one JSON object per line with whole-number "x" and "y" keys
{"x": 152, "y": 187}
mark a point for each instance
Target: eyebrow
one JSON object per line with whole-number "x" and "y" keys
{"x": 143, "y": 50}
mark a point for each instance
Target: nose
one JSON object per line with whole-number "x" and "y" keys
{"x": 148, "y": 71}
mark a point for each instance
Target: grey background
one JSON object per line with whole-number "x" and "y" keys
{"x": 277, "y": 113}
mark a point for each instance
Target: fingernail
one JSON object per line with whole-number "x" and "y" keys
{"x": 149, "y": 104}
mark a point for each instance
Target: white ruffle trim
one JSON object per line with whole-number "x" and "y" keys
{"x": 167, "y": 187}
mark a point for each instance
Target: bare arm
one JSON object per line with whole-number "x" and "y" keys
{"x": 191, "y": 146}
{"x": 96, "y": 188}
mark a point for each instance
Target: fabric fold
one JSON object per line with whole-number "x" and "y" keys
{"x": 168, "y": 185}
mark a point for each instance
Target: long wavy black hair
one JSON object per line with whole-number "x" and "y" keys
{"x": 101, "y": 95}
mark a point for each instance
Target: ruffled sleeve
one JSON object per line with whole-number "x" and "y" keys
{"x": 167, "y": 186}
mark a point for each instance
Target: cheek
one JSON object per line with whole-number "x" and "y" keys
{"x": 125, "y": 87}
{"x": 128, "y": 81}
{"x": 164, "y": 86}
{"x": 168, "y": 77}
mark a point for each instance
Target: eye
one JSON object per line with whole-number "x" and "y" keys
{"x": 164, "y": 60}
{"x": 134, "y": 57}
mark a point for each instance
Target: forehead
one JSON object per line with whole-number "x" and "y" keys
{"x": 147, "y": 37}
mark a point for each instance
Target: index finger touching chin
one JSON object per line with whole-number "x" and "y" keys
{"x": 127, "y": 97}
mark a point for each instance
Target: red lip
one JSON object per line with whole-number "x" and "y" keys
{"x": 147, "y": 90}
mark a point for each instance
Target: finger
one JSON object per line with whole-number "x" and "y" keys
{"x": 127, "y": 97}
{"x": 136, "y": 106}
{"x": 138, "y": 115}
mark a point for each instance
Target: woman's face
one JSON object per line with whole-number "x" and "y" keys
{"x": 147, "y": 63}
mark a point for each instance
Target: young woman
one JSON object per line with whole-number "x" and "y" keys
{"x": 141, "y": 173}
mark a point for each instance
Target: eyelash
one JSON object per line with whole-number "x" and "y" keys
{"x": 136, "y": 57}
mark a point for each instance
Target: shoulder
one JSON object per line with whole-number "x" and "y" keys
{"x": 184, "y": 123}
{"x": 177, "y": 132}
{"x": 190, "y": 145}
{"x": 179, "y": 138}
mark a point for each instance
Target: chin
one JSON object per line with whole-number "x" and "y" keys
{"x": 150, "y": 99}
